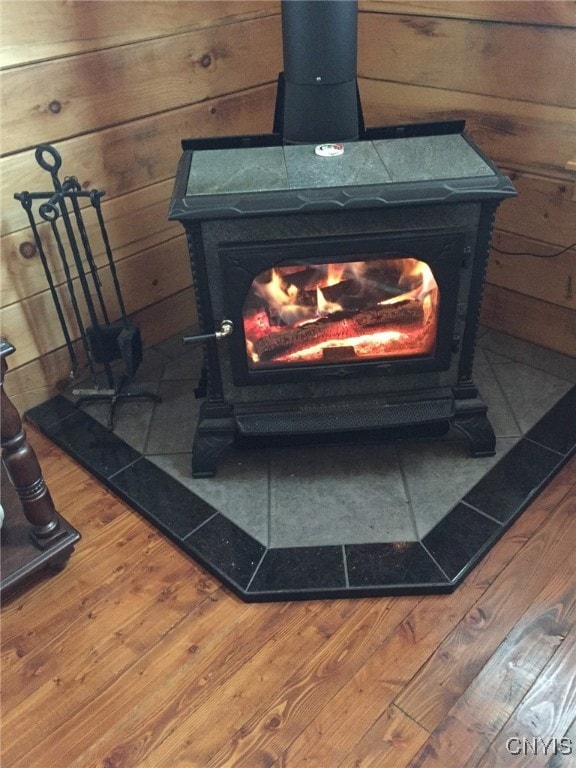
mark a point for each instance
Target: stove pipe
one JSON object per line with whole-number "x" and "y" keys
{"x": 317, "y": 99}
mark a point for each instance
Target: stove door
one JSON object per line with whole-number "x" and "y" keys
{"x": 341, "y": 306}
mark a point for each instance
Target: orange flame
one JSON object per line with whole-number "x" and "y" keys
{"x": 290, "y": 297}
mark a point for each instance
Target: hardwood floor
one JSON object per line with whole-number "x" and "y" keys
{"x": 134, "y": 656}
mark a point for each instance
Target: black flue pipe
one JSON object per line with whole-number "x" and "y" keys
{"x": 317, "y": 92}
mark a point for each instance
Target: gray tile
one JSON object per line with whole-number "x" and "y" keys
{"x": 150, "y": 369}
{"x": 174, "y": 420}
{"x": 431, "y": 157}
{"x": 85, "y": 380}
{"x": 530, "y": 392}
{"x": 496, "y": 343}
{"x": 482, "y": 331}
{"x": 259, "y": 169}
{"x": 360, "y": 164}
{"x": 493, "y": 358}
{"x": 239, "y": 491}
{"x": 152, "y": 366}
{"x": 131, "y": 417}
{"x": 337, "y": 494}
{"x": 222, "y": 171}
{"x": 500, "y": 414}
{"x": 439, "y": 474}
{"x": 187, "y": 366}
{"x": 480, "y": 359}
{"x": 173, "y": 346}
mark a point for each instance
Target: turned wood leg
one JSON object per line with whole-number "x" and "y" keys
{"x": 25, "y": 474}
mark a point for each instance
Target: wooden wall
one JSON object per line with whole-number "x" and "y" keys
{"x": 509, "y": 70}
{"x": 116, "y": 85}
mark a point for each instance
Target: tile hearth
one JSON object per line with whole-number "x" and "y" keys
{"x": 375, "y": 517}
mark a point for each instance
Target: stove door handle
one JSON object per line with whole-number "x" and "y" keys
{"x": 226, "y": 328}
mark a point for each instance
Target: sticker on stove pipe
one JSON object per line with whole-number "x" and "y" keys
{"x": 329, "y": 150}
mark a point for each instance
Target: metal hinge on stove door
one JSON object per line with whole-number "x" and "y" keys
{"x": 226, "y": 328}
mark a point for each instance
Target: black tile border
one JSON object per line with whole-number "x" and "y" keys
{"x": 460, "y": 539}
{"x": 436, "y": 565}
{"x": 402, "y": 562}
{"x": 557, "y": 429}
{"x": 50, "y": 412}
{"x": 161, "y": 499}
{"x": 514, "y": 481}
{"x": 293, "y": 569}
{"x": 233, "y": 554}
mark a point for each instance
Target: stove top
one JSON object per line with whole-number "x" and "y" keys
{"x": 236, "y": 179}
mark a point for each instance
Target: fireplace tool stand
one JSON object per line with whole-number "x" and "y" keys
{"x": 103, "y": 341}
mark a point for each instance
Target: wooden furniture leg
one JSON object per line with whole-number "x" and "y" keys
{"x": 51, "y": 536}
{"x": 25, "y": 474}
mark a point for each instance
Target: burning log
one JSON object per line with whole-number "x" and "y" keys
{"x": 353, "y": 294}
{"x": 339, "y": 325}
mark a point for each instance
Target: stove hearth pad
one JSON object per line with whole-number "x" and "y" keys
{"x": 346, "y": 520}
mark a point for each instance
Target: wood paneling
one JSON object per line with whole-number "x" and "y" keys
{"x": 135, "y": 207}
{"x": 134, "y": 222}
{"x": 134, "y": 656}
{"x": 526, "y": 317}
{"x": 48, "y": 30}
{"x": 549, "y": 279}
{"x": 536, "y": 138}
{"x": 135, "y": 187}
{"x": 85, "y": 93}
{"x": 541, "y": 12}
{"x": 134, "y": 155}
{"x": 461, "y": 55}
{"x": 544, "y": 209}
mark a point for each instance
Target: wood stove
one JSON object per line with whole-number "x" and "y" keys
{"x": 338, "y": 292}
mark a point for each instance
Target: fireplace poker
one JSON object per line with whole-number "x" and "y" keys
{"x": 100, "y": 340}
{"x": 72, "y": 184}
{"x": 26, "y": 200}
{"x": 50, "y": 214}
{"x": 70, "y": 188}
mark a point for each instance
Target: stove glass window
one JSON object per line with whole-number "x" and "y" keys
{"x": 341, "y": 312}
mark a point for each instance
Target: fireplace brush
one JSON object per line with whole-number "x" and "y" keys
{"x": 103, "y": 341}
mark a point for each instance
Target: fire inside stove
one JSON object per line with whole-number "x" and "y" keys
{"x": 341, "y": 312}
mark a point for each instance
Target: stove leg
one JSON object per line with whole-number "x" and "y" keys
{"x": 479, "y": 431}
{"x": 206, "y": 449}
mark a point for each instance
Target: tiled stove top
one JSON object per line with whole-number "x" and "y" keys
{"x": 297, "y": 522}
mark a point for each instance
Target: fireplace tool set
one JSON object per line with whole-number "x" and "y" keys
{"x": 103, "y": 341}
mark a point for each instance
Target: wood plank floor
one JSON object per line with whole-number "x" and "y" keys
{"x": 134, "y": 656}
